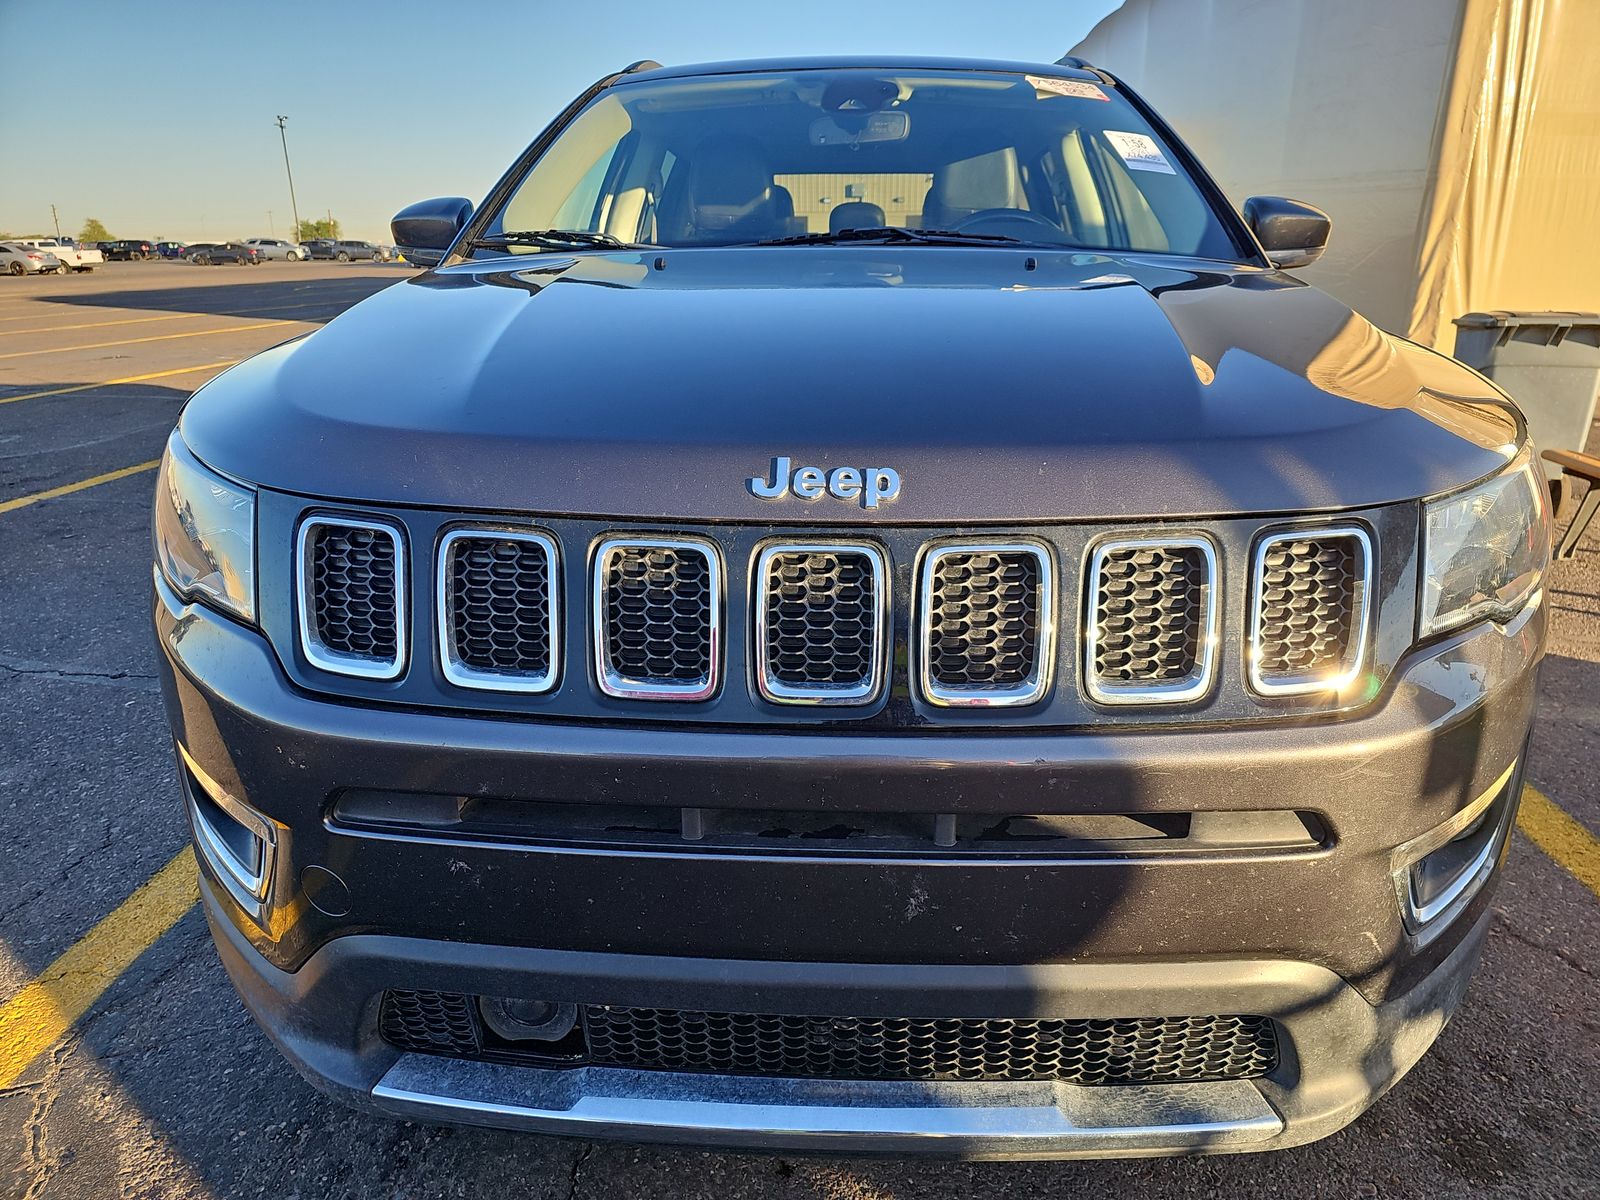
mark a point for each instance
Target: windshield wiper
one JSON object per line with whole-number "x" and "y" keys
{"x": 888, "y": 234}
{"x": 557, "y": 239}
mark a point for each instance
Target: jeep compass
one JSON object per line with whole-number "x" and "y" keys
{"x": 855, "y": 605}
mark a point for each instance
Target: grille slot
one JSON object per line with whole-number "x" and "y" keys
{"x": 987, "y": 624}
{"x": 351, "y": 596}
{"x": 499, "y": 609}
{"x": 1078, "y": 1051}
{"x": 821, "y": 623}
{"x": 1309, "y": 610}
{"x": 1152, "y": 630}
{"x": 658, "y": 613}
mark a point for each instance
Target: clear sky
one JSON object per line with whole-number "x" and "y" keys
{"x": 156, "y": 116}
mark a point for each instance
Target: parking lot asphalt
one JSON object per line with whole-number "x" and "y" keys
{"x": 137, "y": 1072}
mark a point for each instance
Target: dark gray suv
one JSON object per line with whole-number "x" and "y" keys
{"x": 856, "y": 606}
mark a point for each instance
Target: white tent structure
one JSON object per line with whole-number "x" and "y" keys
{"x": 1455, "y": 143}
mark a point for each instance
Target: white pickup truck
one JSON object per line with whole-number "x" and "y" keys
{"x": 66, "y": 250}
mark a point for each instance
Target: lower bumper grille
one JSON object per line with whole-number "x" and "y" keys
{"x": 1129, "y": 1050}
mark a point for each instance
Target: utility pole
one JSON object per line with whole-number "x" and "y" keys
{"x": 56, "y": 221}
{"x": 293, "y": 206}
{"x": 272, "y": 230}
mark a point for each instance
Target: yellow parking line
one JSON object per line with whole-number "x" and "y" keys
{"x": 160, "y": 337}
{"x": 68, "y": 488}
{"x": 1561, "y": 836}
{"x": 102, "y": 324}
{"x": 89, "y": 387}
{"x": 35, "y": 1018}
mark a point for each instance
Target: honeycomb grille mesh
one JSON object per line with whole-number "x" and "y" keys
{"x": 658, "y": 603}
{"x": 1310, "y": 606}
{"x": 500, "y": 605}
{"x": 353, "y": 591}
{"x": 984, "y": 619}
{"x": 430, "y": 1022}
{"x": 1089, "y": 1052}
{"x": 821, "y": 626}
{"x": 1150, "y": 615}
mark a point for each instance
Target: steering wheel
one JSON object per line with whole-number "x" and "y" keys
{"x": 994, "y": 220}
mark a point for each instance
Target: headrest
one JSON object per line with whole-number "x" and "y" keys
{"x": 728, "y": 170}
{"x": 855, "y": 214}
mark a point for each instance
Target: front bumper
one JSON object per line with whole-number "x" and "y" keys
{"x": 1315, "y": 938}
{"x": 1342, "y": 1052}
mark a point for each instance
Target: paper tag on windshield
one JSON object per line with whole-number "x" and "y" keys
{"x": 1140, "y": 152}
{"x": 1068, "y": 87}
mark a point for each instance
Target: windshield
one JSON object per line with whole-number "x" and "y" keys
{"x": 766, "y": 156}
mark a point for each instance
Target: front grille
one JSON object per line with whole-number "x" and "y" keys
{"x": 1309, "y": 614}
{"x": 987, "y": 623}
{"x": 657, "y": 617}
{"x": 820, "y": 636}
{"x": 498, "y": 609}
{"x": 352, "y": 606}
{"x": 1082, "y": 1051}
{"x": 1152, "y": 628}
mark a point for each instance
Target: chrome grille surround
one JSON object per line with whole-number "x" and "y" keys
{"x": 1279, "y": 682}
{"x": 451, "y": 661}
{"x": 1197, "y": 682}
{"x": 871, "y": 682}
{"x": 1037, "y": 683}
{"x": 312, "y": 645}
{"x": 618, "y": 683}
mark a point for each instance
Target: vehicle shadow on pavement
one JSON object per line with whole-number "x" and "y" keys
{"x": 316, "y": 300}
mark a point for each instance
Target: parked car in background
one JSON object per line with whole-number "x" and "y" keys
{"x": 69, "y": 255}
{"x": 25, "y": 260}
{"x": 172, "y": 249}
{"x": 210, "y": 254}
{"x": 277, "y": 248}
{"x": 129, "y": 250}
{"x": 344, "y": 250}
{"x": 318, "y": 248}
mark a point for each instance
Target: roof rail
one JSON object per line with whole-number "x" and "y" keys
{"x": 1072, "y": 60}
{"x": 644, "y": 64}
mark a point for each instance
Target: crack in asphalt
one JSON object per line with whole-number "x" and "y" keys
{"x": 1503, "y": 925}
{"x": 578, "y": 1160}
{"x": 143, "y": 683}
{"x": 41, "y": 1160}
{"x": 62, "y": 873}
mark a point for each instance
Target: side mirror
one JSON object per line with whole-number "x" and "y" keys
{"x": 1293, "y": 234}
{"x": 424, "y": 231}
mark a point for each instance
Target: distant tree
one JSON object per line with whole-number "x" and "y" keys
{"x": 93, "y": 231}
{"x": 318, "y": 229}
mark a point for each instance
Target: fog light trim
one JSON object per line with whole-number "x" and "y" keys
{"x": 1436, "y": 913}
{"x": 247, "y": 881}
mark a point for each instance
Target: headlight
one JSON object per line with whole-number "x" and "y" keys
{"x": 205, "y": 533}
{"x": 1485, "y": 550}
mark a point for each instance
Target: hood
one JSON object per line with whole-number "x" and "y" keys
{"x": 999, "y": 385}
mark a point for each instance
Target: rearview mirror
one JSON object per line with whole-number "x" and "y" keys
{"x": 424, "y": 231}
{"x": 858, "y": 129}
{"x": 1293, "y": 233}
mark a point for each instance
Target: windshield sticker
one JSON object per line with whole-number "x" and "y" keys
{"x": 1067, "y": 87}
{"x": 1140, "y": 152}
